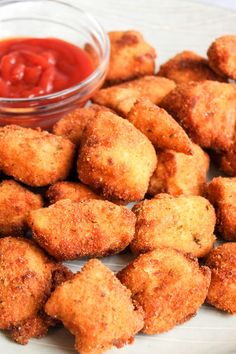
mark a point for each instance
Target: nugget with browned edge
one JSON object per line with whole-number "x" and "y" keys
{"x": 116, "y": 158}
{"x": 188, "y": 66}
{"x": 221, "y": 192}
{"x": 168, "y": 284}
{"x": 27, "y": 278}
{"x": 15, "y": 203}
{"x": 92, "y": 228}
{"x": 206, "y": 110}
{"x": 130, "y": 57}
{"x": 121, "y": 97}
{"x": 185, "y": 223}
{"x": 72, "y": 125}
{"x": 227, "y": 161}
{"x": 34, "y": 157}
{"x": 222, "y": 290}
{"x": 177, "y": 173}
{"x": 160, "y": 128}
{"x": 222, "y": 56}
{"x": 97, "y": 309}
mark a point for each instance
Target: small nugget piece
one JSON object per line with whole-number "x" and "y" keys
{"x": 34, "y": 157}
{"x": 121, "y": 97}
{"x": 116, "y": 158}
{"x": 160, "y": 128}
{"x": 221, "y": 192}
{"x": 92, "y": 228}
{"x": 97, "y": 309}
{"x": 70, "y": 190}
{"x": 72, "y": 125}
{"x": 177, "y": 173}
{"x": 188, "y": 66}
{"x": 206, "y": 110}
{"x": 222, "y": 290}
{"x": 15, "y": 203}
{"x": 185, "y": 223}
{"x": 222, "y": 56}
{"x": 131, "y": 57}
{"x": 27, "y": 278}
{"x": 168, "y": 284}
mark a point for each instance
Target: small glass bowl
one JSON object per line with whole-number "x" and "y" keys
{"x": 63, "y": 20}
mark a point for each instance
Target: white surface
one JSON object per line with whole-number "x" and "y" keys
{"x": 171, "y": 26}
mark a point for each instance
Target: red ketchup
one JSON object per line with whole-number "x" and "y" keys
{"x": 31, "y": 67}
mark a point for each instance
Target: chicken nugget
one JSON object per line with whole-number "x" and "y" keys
{"x": 15, "y": 203}
{"x": 222, "y": 54}
{"x": 27, "y": 278}
{"x": 72, "y": 125}
{"x": 168, "y": 284}
{"x": 121, "y": 98}
{"x": 221, "y": 192}
{"x": 116, "y": 158}
{"x": 185, "y": 223}
{"x": 131, "y": 57}
{"x": 177, "y": 173}
{"x": 188, "y": 66}
{"x": 160, "y": 128}
{"x": 92, "y": 228}
{"x": 97, "y": 309}
{"x": 206, "y": 110}
{"x": 34, "y": 157}
{"x": 222, "y": 290}
{"x": 227, "y": 161}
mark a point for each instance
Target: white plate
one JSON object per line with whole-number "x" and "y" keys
{"x": 171, "y": 26}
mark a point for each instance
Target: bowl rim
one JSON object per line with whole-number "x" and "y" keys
{"x": 88, "y": 80}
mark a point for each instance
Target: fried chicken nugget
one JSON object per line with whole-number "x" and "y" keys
{"x": 188, "y": 66}
{"x": 97, "y": 309}
{"x": 116, "y": 158}
{"x": 177, "y": 173}
{"x": 221, "y": 192}
{"x": 92, "y": 228}
{"x": 222, "y": 54}
{"x": 36, "y": 158}
{"x": 121, "y": 98}
{"x": 227, "y": 161}
{"x": 206, "y": 110}
{"x": 131, "y": 56}
{"x": 168, "y": 284}
{"x": 185, "y": 223}
{"x": 15, "y": 203}
{"x": 161, "y": 129}
{"x": 72, "y": 125}
{"x": 27, "y": 278}
{"x": 222, "y": 290}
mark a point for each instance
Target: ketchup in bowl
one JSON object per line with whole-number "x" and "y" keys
{"x": 32, "y": 67}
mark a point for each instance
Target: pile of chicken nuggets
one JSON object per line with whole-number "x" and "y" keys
{"x": 147, "y": 138}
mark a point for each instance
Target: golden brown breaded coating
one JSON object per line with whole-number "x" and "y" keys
{"x": 188, "y": 66}
{"x": 222, "y": 290}
{"x": 121, "y": 97}
{"x": 131, "y": 56}
{"x": 177, "y": 173}
{"x": 75, "y": 191}
{"x": 97, "y": 309}
{"x": 92, "y": 228}
{"x": 222, "y": 56}
{"x": 116, "y": 158}
{"x": 34, "y": 157}
{"x": 185, "y": 223}
{"x": 160, "y": 128}
{"x": 15, "y": 203}
{"x": 206, "y": 110}
{"x": 227, "y": 161}
{"x": 72, "y": 125}
{"x": 221, "y": 192}
{"x": 26, "y": 275}
{"x": 168, "y": 284}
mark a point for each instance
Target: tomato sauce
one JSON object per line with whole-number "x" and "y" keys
{"x": 32, "y": 67}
